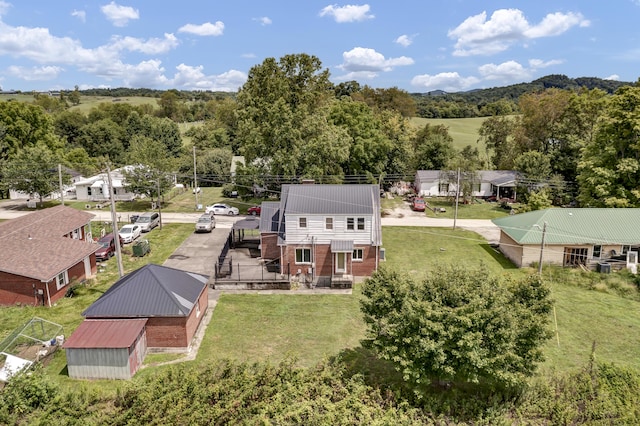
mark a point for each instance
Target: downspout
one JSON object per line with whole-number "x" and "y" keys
{"x": 46, "y": 285}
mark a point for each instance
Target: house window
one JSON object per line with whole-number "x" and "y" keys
{"x": 303, "y": 255}
{"x": 597, "y": 250}
{"x": 358, "y": 255}
{"x": 89, "y": 191}
{"x": 476, "y": 187}
{"x": 302, "y": 222}
{"x": 443, "y": 187}
{"x": 328, "y": 223}
{"x": 62, "y": 280}
{"x": 625, "y": 249}
{"x": 352, "y": 221}
{"x": 197, "y": 311}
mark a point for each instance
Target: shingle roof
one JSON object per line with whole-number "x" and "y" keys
{"x": 94, "y": 334}
{"x": 34, "y": 245}
{"x": 55, "y": 221}
{"x": 151, "y": 291}
{"x": 574, "y": 226}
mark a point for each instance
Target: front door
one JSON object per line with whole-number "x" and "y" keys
{"x": 341, "y": 263}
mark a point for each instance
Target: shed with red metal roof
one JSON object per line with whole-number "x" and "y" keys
{"x": 106, "y": 348}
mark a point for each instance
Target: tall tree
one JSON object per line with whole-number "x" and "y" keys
{"x": 497, "y": 134}
{"x": 34, "y": 170}
{"x": 457, "y": 324}
{"x": 22, "y": 125}
{"x": 433, "y": 148}
{"x": 274, "y": 107}
{"x": 150, "y": 167}
{"x": 609, "y": 171}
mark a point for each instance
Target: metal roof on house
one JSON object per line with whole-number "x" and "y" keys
{"x": 341, "y": 246}
{"x": 270, "y": 216}
{"x": 330, "y": 199}
{"x": 598, "y": 226}
{"x": 150, "y": 291}
{"x": 105, "y": 334}
{"x": 35, "y": 246}
{"x": 496, "y": 177}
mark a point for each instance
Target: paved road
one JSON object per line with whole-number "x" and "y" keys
{"x": 399, "y": 217}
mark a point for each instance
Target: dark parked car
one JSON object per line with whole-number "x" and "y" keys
{"x": 107, "y": 247}
{"x": 254, "y": 210}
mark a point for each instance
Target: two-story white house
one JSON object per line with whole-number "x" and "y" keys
{"x": 324, "y": 231}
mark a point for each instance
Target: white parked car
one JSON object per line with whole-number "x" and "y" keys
{"x": 130, "y": 232}
{"x": 224, "y": 209}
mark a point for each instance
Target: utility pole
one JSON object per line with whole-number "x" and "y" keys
{"x": 60, "y": 181}
{"x": 544, "y": 232}
{"x": 114, "y": 221}
{"x": 159, "y": 204}
{"x": 195, "y": 176}
{"x": 455, "y": 215}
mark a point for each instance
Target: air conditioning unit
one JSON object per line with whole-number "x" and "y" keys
{"x": 383, "y": 254}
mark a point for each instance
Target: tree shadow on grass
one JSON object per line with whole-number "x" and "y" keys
{"x": 498, "y": 257}
{"x": 457, "y": 401}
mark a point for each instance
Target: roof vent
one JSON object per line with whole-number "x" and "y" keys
{"x": 29, "y": 237}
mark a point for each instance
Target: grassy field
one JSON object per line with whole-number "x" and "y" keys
{"x": 477, "y": 210}
{"x": 464, "y": 131}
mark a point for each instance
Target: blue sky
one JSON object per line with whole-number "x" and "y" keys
{"x": 417, "y": 45}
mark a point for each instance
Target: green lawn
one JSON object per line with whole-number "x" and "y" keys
{"x": 476, "y": 210}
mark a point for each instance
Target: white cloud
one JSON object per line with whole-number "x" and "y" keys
{"x": 206, "y": 29}
{"x": 35, "y": 73}
{"x": 193, "y": 78}
{"x": 119, "y": 15}
{"x": 348, "y": 13}
{"x": 360, "y": 59}
{"x": 506, "y": 71}
{"x": 479, "y": 36}
{"x": 539, "y": 63}
{"x": 248, "y": 55}
{"x": 4, "y": 7}
{"x": 264, "y": 20}
{"x": 614, "y": 77}
{"x": 404, "y": 40}
{"x": 80, "y": 14}
{"x": 447, "y": 81}
{"x": 555, "y": 24}
{"x": 151, "y": 46}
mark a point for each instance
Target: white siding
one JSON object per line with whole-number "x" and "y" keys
{"x": 315, "y": 229}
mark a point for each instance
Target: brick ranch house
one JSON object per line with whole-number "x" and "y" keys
{"x": 42, "y": 253}
{"x": 172, "y": 301}
{"x": 328, "y": 233}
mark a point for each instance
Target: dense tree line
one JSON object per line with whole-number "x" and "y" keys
{"x": 502, "y": 100}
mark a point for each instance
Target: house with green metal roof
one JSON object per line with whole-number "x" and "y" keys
{"x": 571, "y": 236}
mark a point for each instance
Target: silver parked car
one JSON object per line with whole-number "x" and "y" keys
{"x": 205, "y": 223}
